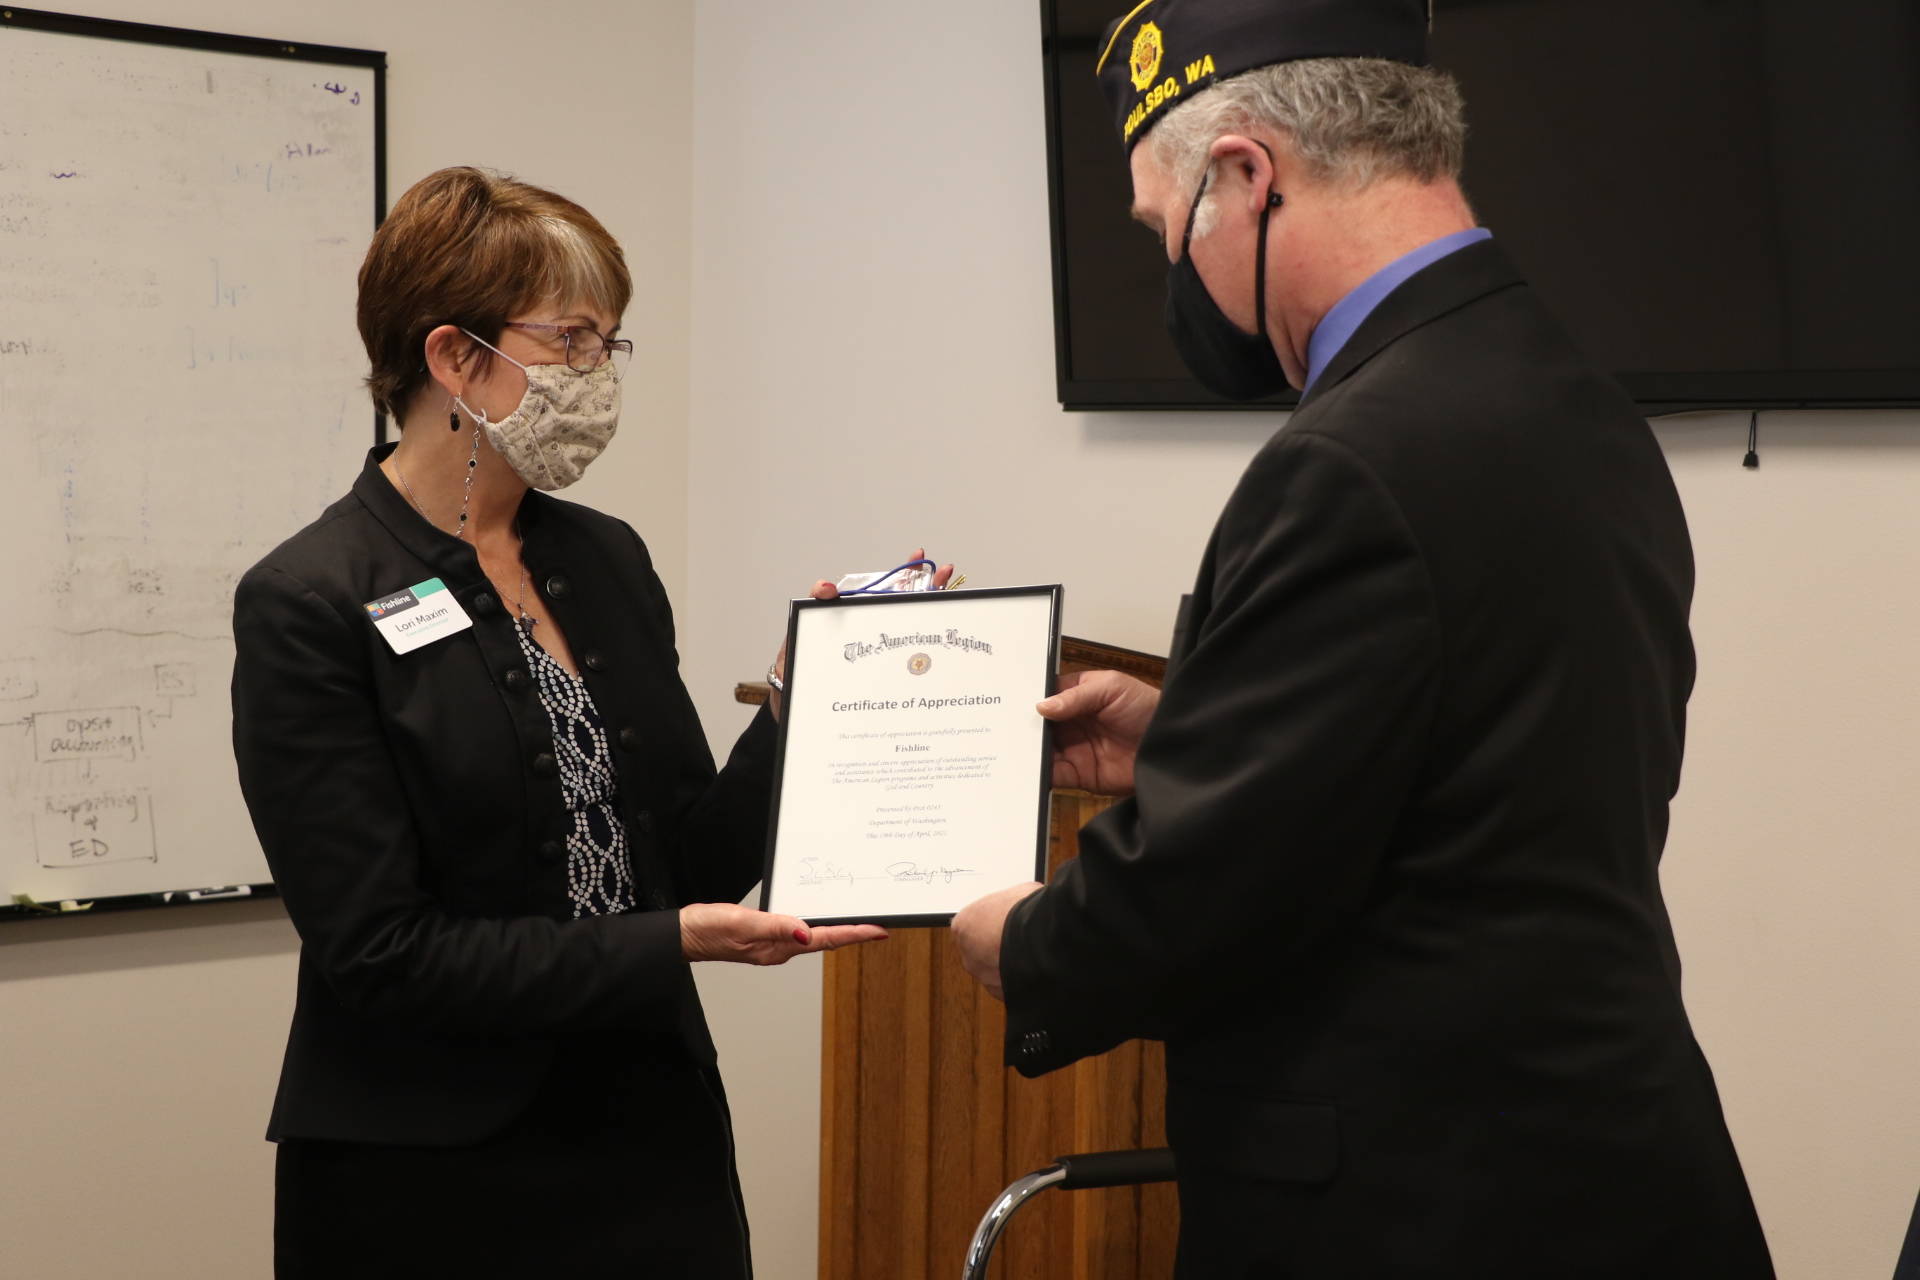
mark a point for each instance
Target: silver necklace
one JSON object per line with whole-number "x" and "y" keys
{"x": 466, "y": 493}
{"x": 412, "y": 496}
{"x": 520, "y": 596}
{"x": 466, "y": 500}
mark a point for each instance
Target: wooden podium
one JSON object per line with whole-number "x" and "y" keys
{"x": 921, "y": 1127}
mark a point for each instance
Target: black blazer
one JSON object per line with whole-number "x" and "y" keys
{"x": 1388, "y": 886}
{"x": 411, "y": 813}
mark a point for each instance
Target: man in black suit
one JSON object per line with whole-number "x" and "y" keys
{"x": 1386, "y": 880}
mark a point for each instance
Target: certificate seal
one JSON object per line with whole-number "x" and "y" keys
{"x": 919, "y": 664}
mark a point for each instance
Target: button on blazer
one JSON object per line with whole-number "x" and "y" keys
{"x": 410, "y": 811}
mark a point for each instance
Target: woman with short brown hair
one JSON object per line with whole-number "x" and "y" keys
{"x": 487, "y": 801}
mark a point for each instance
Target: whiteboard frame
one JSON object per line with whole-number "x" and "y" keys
{"x": 215, "y": 42}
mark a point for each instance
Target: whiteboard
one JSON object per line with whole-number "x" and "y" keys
{"x": 182, "y": 217}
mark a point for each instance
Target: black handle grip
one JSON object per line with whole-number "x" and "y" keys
{"x": 1116, "y": 1168}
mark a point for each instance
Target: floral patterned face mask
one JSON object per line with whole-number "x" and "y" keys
{"x": 562, "y": 422}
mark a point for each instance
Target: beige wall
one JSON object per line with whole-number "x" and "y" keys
{"x": 140, "y": 1052}
{"x": 862, "y": 189}
{"x": 873, "y": 368}
{"x": 1791, "y": 870}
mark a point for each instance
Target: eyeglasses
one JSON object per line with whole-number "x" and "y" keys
{"x": 586, "y": 349}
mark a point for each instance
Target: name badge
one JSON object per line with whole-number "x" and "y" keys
{"x": 419, "y": 615}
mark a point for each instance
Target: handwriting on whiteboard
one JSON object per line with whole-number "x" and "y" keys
{"x": 195, "y": 220}
{"x": 89, "y": 829}
{"x": 109, "y": 734}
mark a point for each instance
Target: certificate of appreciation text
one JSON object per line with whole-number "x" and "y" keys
{"x": 912, "y": 775}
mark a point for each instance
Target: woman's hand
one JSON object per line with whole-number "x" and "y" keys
{"x": 727, "y": 931}
{"x": 824, "y": 590}
{"x": 1099, "y": 718}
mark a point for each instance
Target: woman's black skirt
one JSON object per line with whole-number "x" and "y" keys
{"x": 617, "y": 1168}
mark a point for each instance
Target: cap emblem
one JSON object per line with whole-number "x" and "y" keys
{"x": 1144, "y": 62}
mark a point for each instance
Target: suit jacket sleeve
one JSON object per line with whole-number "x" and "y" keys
{"x": 720, "y": 843}
{"x": 716, "y": 834}
{"x": 1267, "y": 784}
{"x": 334, "y": 823}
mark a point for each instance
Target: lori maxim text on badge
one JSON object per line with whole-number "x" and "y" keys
{"x": 952, "y": 639}
{"x": 408, "y": 624}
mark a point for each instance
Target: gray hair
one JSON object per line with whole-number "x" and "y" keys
{"x": 1352, "y": 121}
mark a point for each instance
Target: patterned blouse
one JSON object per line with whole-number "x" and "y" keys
{"x": 599, "y": 866}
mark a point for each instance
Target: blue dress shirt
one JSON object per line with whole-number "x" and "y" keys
{"x": 1340, "y": 323}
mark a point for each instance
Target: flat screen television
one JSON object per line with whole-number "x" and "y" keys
{"x": 1719, "y": 198}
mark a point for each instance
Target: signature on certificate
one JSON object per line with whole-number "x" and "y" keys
{"x": 913, "y": 872}
{"x": 820, "y": 871}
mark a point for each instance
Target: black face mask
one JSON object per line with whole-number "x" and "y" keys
{"x": 1227, "y": 360}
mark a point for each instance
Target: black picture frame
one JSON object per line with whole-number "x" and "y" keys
{"x": 1044, "y": 782}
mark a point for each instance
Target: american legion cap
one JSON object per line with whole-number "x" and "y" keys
{"x": 1166, "y": 51}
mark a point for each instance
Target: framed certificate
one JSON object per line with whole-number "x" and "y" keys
{"x": 913, "y": 771}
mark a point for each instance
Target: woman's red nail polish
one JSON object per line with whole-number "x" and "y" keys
{"x": 801, "y": 936}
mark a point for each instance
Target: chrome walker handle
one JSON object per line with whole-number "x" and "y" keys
{"x": 987, "y": 1234}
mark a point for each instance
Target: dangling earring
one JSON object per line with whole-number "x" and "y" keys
{"x": 453, "y": 420}
{"x": 466, "y": 493}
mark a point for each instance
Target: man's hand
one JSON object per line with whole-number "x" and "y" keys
{"x": 727, "y": 931}
{"x": 1099, "y": 719}
{"x": 824, "y": 590}
{"x": 977, "y": 929}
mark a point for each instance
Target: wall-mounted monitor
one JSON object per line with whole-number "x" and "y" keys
{"x": 1719, "y": 198}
